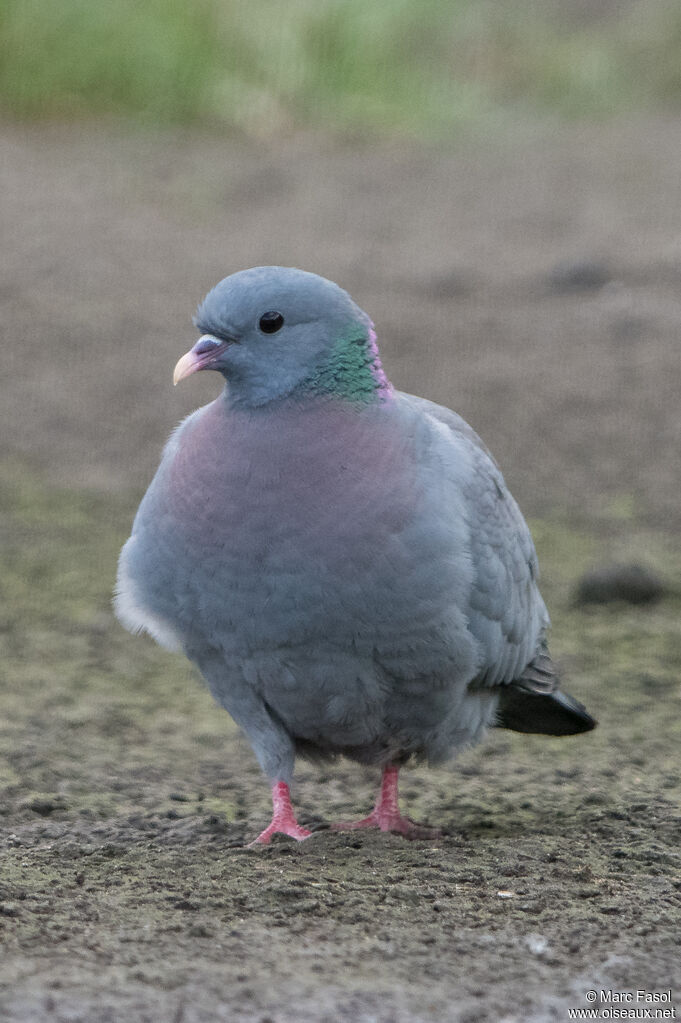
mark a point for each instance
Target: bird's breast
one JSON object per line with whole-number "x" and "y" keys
{"x": 324, "y": 485}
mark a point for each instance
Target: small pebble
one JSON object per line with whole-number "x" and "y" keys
{"x": 578, "y": 275}
{"x": 537, "y": 944}
{"x": 631, "y": 583}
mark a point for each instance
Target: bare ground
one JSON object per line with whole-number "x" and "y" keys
{"x": 533, "y": 282}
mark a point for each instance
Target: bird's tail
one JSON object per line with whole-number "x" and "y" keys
{"x": 534, "y": 703}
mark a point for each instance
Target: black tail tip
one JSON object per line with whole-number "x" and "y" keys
{"x": 522, "y": 709}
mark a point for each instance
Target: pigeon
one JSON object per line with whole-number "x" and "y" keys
{"x": 342, "y": 561}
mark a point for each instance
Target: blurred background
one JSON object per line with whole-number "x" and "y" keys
{"x": 391, "y": 67}
{"x": 499, "y": 186}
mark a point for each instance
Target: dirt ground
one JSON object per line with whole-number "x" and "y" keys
{"x": 531, "y": 281}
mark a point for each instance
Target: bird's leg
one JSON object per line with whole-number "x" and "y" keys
{"x": 283, "y": 818}
{"x": 386, "y": 813}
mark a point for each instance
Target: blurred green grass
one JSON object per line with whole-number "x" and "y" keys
{"x": 391, "y": 66}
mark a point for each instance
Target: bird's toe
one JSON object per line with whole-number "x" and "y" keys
{"x": 290, "y": 828}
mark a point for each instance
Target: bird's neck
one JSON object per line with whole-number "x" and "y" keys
{"x": 352, "y": 371}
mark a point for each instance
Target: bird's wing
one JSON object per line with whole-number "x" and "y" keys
{"x": 505, "y": 612}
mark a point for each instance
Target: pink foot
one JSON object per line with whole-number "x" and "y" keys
{"x": 395, "y": 822}
{"x": 386, "y": 814}
{"x": 283, "y": 818}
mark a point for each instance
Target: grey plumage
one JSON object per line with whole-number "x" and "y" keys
{"x": 343, "y": 562}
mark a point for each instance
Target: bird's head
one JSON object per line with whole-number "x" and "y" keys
{"x": 275, "y": 331}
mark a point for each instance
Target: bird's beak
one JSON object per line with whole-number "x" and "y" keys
{"x": 203, "y": 355}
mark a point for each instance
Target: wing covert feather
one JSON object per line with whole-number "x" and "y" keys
{"x": 506, "y": 613}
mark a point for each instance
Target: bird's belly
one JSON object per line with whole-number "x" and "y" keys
{"x": 287, "y": 577}
{"x": 362, "y": 715}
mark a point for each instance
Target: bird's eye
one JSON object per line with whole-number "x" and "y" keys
{"x": 271, "y": 322}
